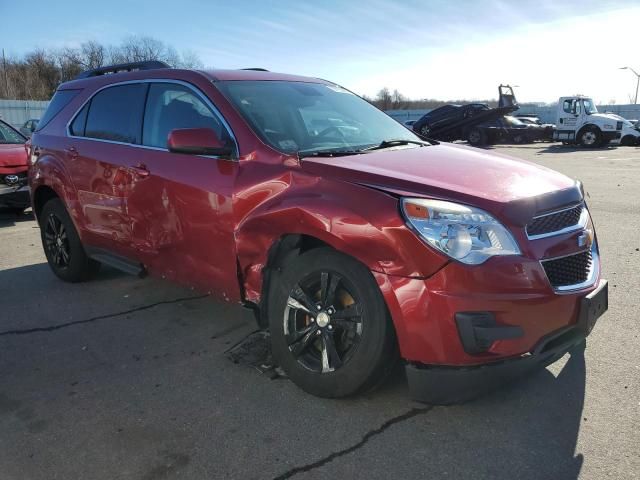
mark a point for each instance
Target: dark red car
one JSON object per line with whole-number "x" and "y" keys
{"x": 351, "y": 238}
{"x": 14, "y": 192}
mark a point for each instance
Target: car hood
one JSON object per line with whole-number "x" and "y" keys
{"x": 445, "y": 171}
{"x": 12, "y": 155}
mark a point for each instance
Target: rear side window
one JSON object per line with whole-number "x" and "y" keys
{"x": 171, "y": 106}
{"x": 115, "y": 113}
{"x": 60, "y": 100}
{"x": 78, "y": 124}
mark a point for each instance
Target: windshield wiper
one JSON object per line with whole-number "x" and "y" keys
{"x": 394, "y": 143}
{"x": 328, "y": 153}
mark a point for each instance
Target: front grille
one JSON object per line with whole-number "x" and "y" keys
{"x": 570, "y": 270}
{"x": 554, "y": 222}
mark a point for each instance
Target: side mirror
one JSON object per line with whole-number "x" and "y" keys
{"x": 198, "y": 141}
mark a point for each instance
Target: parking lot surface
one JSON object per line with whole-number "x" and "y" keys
{"x": 125, "y": 378}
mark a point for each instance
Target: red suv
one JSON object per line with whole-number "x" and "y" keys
{"x": 350, "y": 237}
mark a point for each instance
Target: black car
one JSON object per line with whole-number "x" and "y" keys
{"x": 442, "y": 118}
{"x": 508, "y": 129}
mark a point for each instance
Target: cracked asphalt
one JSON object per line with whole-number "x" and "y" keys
{"x": 123, "y": 378}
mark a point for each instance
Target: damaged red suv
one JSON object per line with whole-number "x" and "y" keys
{"x": 352, "y": 239}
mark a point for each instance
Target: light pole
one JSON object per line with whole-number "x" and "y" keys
{"x": 637, "y": 80}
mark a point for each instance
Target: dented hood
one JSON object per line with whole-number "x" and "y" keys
{"x": 444, "y": 170}
{"x": 512, "y": 188}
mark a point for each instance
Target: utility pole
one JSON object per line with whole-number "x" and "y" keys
{"x": 637, "y": 81}
{"x": 6, "y": 80}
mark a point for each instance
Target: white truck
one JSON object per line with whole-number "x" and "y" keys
{"x": 578, "y": 121}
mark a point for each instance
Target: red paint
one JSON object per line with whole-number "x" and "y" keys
{"x": 210, "y": 222}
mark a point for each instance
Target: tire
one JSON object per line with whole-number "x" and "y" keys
{"x": 347, "y": 344}
{"x": 476, "y": 137}
{"x": 605, "y": 143}
{"x": 628, "y": 141}
{"x": 62, "y": 246}
{"x": 590, "y": 137}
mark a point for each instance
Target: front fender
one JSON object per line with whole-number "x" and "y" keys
{"x": 356, "y": 220}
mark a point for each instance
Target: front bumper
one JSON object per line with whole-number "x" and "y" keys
{"x": 444, "y": 385}
{"x": 608, "y": 135}
{"x": 15, "y": 196}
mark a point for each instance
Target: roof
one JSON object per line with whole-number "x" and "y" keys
{"x": 176, "y": 73}
{"x": 221, "y": 75}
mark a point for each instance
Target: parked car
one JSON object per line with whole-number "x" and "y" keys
{"x": 528, "y": 119}
{"x": 350, "y": 245}
{"x": 29, "y": 127}
{"x": 508, "y": 129}
{"x": 445, "y": 116}
{"x": 14, "y": 192}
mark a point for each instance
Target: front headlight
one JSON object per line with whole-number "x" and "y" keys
{"x": 464, "y": 233}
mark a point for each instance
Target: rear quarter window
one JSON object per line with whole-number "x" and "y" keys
{"x": 60, "y": 100}
{"x": 115, "y": 113}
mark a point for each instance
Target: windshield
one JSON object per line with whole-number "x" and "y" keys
{"x": 589, "y": 107}
{"x": 311, "y": 117}
{"x": 513, "y": 121}
{"x": 9, "y": 135}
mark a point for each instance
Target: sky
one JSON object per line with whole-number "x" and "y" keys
{"x": 444, "y": 49}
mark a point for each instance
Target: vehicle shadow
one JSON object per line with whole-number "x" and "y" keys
{"x": 559, "y": 148}
{"x": 9, "y": 219}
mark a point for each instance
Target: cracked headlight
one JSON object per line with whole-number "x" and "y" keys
{"x": 467, "y": 234}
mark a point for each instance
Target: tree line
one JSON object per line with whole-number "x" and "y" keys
{"x": 36, "y": 74}
{"x": 387, "y": 99}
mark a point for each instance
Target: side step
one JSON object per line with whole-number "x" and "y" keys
{"x": 116, "y": 261}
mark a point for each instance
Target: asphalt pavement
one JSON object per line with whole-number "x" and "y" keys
{"x": 127, "y": 378}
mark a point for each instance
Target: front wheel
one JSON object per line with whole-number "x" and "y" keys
{"x": 590, "y": 137}
{"x": 330, "y": 330}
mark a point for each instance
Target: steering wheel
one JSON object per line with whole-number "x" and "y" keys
{"x": 330, "y": 129}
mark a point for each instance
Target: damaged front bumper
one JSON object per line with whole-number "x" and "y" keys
{"x": 445, "y": 385}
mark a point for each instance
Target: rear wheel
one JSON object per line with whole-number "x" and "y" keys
{"x": 330, "y": 330}
{"x": 63, "y": 249}
{"x": 628, "y": 141}
{"x": 476, "y": 137}
{"x": 590, "y": 137}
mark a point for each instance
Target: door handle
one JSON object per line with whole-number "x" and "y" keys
{"x": 72, "y": 152}
{"x": 141, "y": 170}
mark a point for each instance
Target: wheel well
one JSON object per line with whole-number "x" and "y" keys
{"x": 284, "y": 249}
{"x": 41, "y": 196}
{"x": 588, "y": 126}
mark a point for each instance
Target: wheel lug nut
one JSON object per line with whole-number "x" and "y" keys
{"x": 330, "y": 327}
{"x": 318, "y": 332}
{"x": 318, "y": 307}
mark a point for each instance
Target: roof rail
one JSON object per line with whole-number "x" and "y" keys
{"x": 123, "y": 67}
{"x": 256, "y": 69}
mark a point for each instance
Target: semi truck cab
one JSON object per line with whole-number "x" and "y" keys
{"x": 579, "y": 122}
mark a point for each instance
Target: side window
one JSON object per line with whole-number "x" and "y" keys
{"x": 171, "y": 106}
{"x": 77, "y": 126}
{"x": 60, "y": 100}
{"x": 116, "y": 113}
{"x": 567, "y": 106}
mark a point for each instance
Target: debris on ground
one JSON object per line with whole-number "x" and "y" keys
{"x": 254, "y": 350}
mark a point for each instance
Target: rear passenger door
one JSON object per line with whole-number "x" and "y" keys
{"x": 182, "y": 211}
{"x": 102, "y": 160}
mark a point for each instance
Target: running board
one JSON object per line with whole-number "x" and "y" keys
{"x": 116, "y": 261}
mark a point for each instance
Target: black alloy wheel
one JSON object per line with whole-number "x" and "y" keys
{"x": 56, "y": 241}
{"x": 330, "y": 328}
{"x": 323, "y": 322}
{"x": 62, "y": 246}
